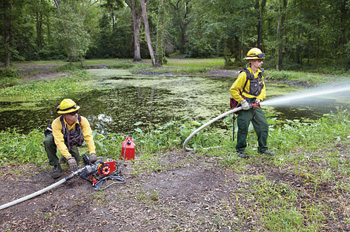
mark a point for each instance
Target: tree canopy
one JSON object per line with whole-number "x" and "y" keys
{"x": 293, "y": 33}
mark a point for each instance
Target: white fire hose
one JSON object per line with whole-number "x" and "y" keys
{"x": 207, "y": 124}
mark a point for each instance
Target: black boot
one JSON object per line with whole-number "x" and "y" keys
{"x": 242, "y": 155}
{"x": 57, "y": 171}
{"x": 268, "y": 152}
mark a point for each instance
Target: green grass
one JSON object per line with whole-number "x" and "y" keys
{"x": 9, "y": 77}
{"x": 42, "y": 89}
{"x": 304, "y": 78}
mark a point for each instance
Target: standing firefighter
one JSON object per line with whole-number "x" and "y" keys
{"x": 249, "y": 88}
{"x": 67, "y": 133}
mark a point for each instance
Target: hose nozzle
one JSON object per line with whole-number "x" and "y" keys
{"x": 254, "y": 105}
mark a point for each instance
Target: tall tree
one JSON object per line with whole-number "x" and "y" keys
{"x": 260, "y": 10}
{"x": 148, "y": 36}
{"x": 12, "y": 20}
{"x": 136, "y": 22}
{"x": 180, "y": 17}
{"x": 280, "y": 32}
{"x": 73, "y": 35}
{"x": 7, "y": 17}
{"x": 160, "y": 54}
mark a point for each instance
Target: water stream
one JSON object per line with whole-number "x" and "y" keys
{"x": 125, "y": 99}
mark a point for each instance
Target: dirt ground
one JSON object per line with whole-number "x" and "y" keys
{"x": 188, "y": 195}
{"x": 185, "y": 192}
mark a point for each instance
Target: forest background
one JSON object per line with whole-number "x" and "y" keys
{"x": 309, "y": 35}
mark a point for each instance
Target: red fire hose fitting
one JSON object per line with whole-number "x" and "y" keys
{"x": 254, "y": 105}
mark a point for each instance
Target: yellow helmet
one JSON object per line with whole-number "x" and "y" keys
{"x": 67, "y": 106}
{"x": 254, "y": 54}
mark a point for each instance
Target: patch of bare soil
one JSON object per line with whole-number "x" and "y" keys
{"x": 195, "y": 196}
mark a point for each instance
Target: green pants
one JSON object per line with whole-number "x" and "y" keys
{"x": 257, "y": 117}
{"x": 51, "y": 150}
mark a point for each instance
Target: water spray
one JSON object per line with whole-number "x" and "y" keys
{"x": 296, "y": 98}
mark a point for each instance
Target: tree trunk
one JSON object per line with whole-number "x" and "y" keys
{"x": 136, "y": 23}
{"x": 260, "y": 9}
{"x": 39, "y": 23}
{"x": 160, "y": 35}
{"x": 258, "y": 26}
{"x": 236, "y": 48}
{"x": 183, "y": 23}
{"x": 8, "y": 27}
{"x": 280, "y": 33}
{"x": 148, "y": 36}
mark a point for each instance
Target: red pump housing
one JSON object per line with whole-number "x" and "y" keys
{"x": 106, "y": 168}
{"x": 128, "y": 149}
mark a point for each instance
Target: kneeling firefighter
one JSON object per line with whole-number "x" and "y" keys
{"x": 249, "y": 88}
{"x": 67, "y": 133}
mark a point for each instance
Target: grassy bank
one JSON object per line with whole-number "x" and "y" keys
{"x": 50, "y": 88}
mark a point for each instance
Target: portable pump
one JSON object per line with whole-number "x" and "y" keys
{"x": 100, "y": 171}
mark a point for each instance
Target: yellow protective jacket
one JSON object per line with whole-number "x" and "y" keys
{"x": 59, "y": 137}
{"x": 237, "y": 91}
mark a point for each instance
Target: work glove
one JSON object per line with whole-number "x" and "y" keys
{"x": 245, "y": 104}
{"x": 92, "y": 158}
{"x": 72, "y": 163}
{"x": 257, "y": 101}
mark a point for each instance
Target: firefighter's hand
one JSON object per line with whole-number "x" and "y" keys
{"x": 72, "y": 163}
{"x": 245, "y": 104}
{"x": 92, "y": 158}
{"x": 257, "y": 101}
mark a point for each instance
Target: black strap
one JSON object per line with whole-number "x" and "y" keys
{"x": 65, "y": 132}
{"x": 250, "y": 77}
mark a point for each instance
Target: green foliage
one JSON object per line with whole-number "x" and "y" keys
{"x": 9, "y": 77}
{"x": 300, "y": 77}
{"x": 307, "y": 36}
{"x": 48, "y": 88}
{"x": 15, "y": 147}
{"x": 71, "y": 32}
{"x": 172, "y": 135}
{"x": 318, "y": 134}
{"x": 9, "y": 73}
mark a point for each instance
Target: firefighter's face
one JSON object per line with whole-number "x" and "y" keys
{"x": 71, "y": 117}
{"x": 257, "y": 63}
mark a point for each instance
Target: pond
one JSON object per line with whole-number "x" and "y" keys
{"x": 125, "y": 99}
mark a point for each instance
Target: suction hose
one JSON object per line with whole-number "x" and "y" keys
{"x": 207, "y": 124}
{"x": 41, "y": 191}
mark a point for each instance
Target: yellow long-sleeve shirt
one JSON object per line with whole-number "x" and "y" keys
{"x": 237, "y": 86}
{"x": 59, "y": 137}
